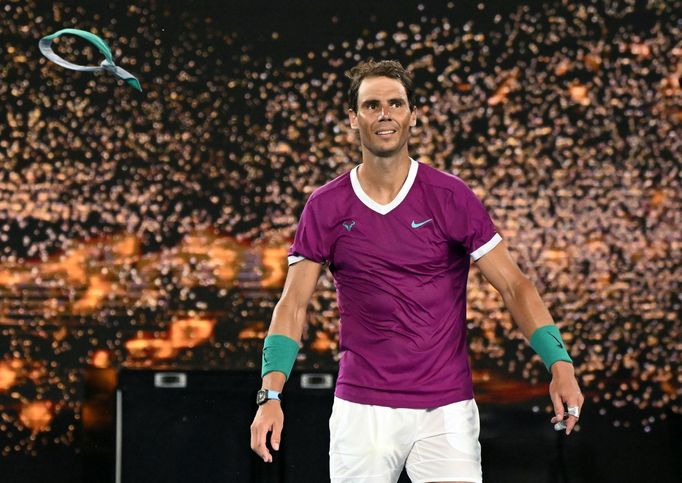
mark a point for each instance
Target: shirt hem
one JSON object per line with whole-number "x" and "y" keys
{"x": 401, "y": 400}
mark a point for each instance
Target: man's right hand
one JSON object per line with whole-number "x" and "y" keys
{"x": 268, "y": 418}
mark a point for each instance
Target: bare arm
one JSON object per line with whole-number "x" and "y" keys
{"x": 529, "y": 313}
{"x": 289, "y": 319}
{"x": 289, "y": 316}
{"x": 519, "y": 293}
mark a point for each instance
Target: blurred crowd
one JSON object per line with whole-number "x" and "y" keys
{"x": 564, "y": 117}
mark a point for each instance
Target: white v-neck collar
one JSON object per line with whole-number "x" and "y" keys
{"x": 373, "y": 205}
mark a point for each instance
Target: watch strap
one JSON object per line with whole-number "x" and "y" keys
{"x": 265, "y": 395}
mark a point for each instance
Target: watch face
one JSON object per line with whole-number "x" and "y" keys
{"x": 261, "y": 396}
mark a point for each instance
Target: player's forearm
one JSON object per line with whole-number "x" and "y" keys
{"x": 274, "y": 380}
{"x": 526, "y": 307}
{"x": 287, "y": 320}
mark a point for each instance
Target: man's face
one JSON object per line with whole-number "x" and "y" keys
{"x": 383, "y": 117}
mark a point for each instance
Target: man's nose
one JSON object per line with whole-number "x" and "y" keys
{"x": 384, "y": 112}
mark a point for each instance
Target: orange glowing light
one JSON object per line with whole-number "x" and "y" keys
{"x": 641, "y": 50}
{"x": 101, "y": 380}
{"x": 480, "y": 376}
{"x": 101, "y": 359}
{"x": 150, "y": 348}
{"x": 97, "y": 290}
{"x": 36, "y": 415}
{"x": 602, "y": 280}
{"x": 224, "y": 259}
{"x": 596, "y": 245}
{"x": 592, "y": 62}
{"x": 150, "y": 297}
{"x": 554, "y": 255}
{"x": 579, "y": 94}
{"x": 10, "y": 278}
{"x": 500, "y": 96}
{"x": 189, "y": 333}
{"x": 196, "y": 244}
{"x": 35, "y": 372}
{"x": 8, "y": 375}
{"x": 282, "y": 148}
{"x": 274, "y": 261}
{"x": 60, "y": 333}
{"x": 322, "y": 343}
{"x": 92, "y": 417}
{"x": 129, "y": 246}
{"x": 562, "y": 68}
{"x": 256, "y": 330}
{"x": 72, "y": 264}
{"x": 658, "y": 198}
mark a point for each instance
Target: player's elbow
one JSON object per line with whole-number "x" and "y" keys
{"x": 516, "y": 287}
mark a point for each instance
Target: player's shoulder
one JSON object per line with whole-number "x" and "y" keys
{"x": 442, "y": 181}
{"x": 334, "y": 189}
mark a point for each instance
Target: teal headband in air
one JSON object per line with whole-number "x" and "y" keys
{"x": 107, "y": 64}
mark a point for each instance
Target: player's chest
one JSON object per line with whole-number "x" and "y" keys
{"x": 409, "y": 239}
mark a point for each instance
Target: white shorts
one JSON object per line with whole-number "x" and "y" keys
{"x": 371, "y": 444}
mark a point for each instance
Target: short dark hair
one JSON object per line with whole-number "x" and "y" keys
{"x": 382, "y": 68}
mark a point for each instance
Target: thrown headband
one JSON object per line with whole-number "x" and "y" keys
{"x": 107, "y": 64}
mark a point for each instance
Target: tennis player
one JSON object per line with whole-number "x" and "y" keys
{"x": 398, "y": 237}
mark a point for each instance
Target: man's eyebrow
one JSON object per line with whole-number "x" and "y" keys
{"x": 370, "y": 101}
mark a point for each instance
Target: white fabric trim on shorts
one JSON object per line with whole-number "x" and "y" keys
{"x": 371, "y": 444}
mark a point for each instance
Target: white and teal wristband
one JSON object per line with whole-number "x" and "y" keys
{"x": 549, "y": 345}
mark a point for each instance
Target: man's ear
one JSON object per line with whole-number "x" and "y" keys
{"x": 413, "y": 117}
{"x": 353, "y": 117}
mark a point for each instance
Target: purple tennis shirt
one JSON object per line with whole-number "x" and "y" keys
{"x": 400, "y": 272}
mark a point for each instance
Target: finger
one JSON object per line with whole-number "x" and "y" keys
{"x": 262, "y": 446}
{"x": 259, "y": 446}
{"x": 276, "y": 436}
{"x": 570, "y": 424}
{"x": 558, "y": 407}
{"x": 572, "y": 419}
{"x": 253, "y": 438}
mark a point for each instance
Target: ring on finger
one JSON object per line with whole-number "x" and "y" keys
{"x": 574, "y": 411}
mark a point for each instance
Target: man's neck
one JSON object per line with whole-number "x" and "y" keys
{"x": 382, "y": 178}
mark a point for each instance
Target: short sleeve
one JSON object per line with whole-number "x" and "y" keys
{"x": 470, "y": 224}
{"x": 309, "y": 241}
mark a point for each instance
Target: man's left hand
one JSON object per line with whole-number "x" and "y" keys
{"x": 564, "y": 389}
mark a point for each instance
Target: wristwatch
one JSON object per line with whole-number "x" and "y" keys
{"x": 264, "y": 395}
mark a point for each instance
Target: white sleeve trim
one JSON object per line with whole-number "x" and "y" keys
{"x": 492, "y": 243}
{"x": 294, "y": 259}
